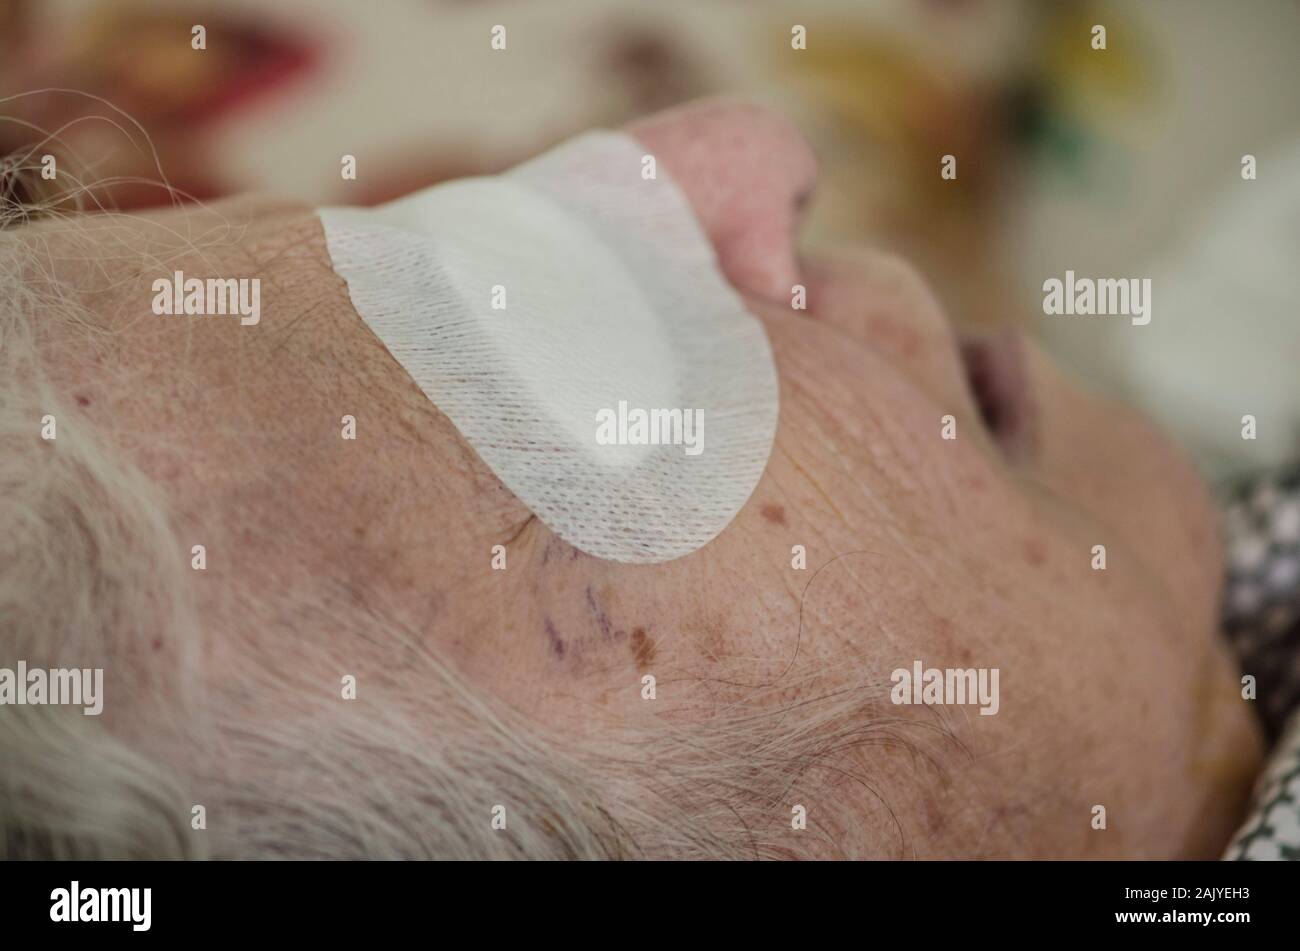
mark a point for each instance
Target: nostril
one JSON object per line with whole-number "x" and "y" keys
{"x": 995, "y": 375}
{"x": 801, "y": 202}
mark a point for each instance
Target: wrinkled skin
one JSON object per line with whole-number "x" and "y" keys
{"x": 978, "y": 551}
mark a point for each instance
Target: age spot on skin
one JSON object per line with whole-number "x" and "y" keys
{"x": 643, "y": 648}
{"x": 1035, "y": 551}
{"x": 773, "y": 513}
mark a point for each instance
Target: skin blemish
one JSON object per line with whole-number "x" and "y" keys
{"x": 83, "y": 400}
{"x": 557, "y": 645}
{"x": 643, "y": 648}
{"x": 1035, "y": 551}
{"x": 773, "y": 513}
{"x": 709, "y": 631}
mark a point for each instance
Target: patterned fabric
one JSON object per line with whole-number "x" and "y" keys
{"x": 1273, "y": 829}
{"x": 1261, "y": 611}
{"x": 1261, "y": 615}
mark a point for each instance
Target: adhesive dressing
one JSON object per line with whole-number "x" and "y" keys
{"x": 569, "y": 317}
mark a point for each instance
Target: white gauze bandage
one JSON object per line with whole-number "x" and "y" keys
{"x": 570, "y": 318}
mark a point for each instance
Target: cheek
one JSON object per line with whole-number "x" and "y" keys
{"x": 1139, "y": 488}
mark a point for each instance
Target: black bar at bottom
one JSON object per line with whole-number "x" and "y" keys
{"x": 661, "y": 901}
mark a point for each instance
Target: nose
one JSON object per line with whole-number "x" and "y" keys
{"x": 747, "y": 172}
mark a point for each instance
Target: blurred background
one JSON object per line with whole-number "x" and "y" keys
{"x": 1123, "y": 162}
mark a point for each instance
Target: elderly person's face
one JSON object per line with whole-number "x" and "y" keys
{"x": 1115, "y": 690}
